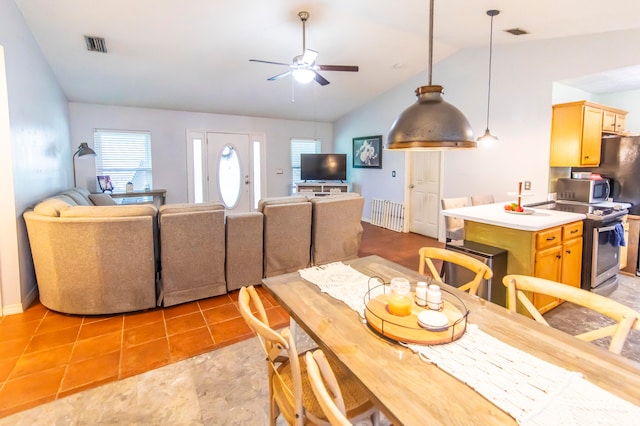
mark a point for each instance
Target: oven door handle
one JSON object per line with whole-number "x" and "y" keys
{"x": 606, "y": 228}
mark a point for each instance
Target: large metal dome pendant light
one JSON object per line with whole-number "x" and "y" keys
{"x": 431, "y": 124}
{"x": 488, "y": 137}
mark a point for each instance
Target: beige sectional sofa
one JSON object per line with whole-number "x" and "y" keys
{"x": 92, "y": 257}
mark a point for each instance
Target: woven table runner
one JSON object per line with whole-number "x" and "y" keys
{"x": 532, "y": 391}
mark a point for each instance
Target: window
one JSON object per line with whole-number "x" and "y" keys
{"x": 301, "y": 146}
{"x": 125, "y": 157}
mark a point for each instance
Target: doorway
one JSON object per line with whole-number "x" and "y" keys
{"x": 425, "y": 171}
{"x": 225, "y": 167}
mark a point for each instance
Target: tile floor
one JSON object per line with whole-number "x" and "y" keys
{"x": 46, "y": 355}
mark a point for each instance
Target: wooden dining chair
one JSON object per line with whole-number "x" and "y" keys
{"x": 326, "y": 389}
{"x": 290, "y": 393}
{"x": 625, "y": 317}
{"x": 481, "y": 270}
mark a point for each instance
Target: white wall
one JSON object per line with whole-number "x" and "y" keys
{"x": 168, "y": 139}
{"x": 521, "y": 99}
{"x": 35, "y": 156}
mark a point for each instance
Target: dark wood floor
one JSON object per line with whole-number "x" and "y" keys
{"x": 399, "y": 247}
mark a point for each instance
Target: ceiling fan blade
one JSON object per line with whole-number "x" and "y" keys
{"x": 309, "y": 57}
{"x": 276, "y": 77}
{"x": 353, "y": 68}
{"x": 321, "y": 80}
{"x": 268, "y": 62}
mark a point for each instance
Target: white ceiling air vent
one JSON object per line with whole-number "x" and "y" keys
{"x": 95, "y": 44}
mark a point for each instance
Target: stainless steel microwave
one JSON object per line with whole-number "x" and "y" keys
{"x": 583, "y": 190}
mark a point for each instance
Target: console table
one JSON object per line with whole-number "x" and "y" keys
{"x": 321, "y": 188}
{"x": 159, "y": 196}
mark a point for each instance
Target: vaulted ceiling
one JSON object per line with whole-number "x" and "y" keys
{"x": 193, "y": 55}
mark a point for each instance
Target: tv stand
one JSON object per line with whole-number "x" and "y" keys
{"x": 322, "y": 188}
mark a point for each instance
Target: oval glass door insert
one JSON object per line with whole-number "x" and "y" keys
{"x": 229, "y": 176}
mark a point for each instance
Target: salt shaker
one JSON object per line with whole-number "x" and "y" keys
{"x": 421, "y": 293}
{"x": 434, "y": 297}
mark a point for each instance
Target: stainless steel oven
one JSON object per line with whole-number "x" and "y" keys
{"x": 605, "y": 256}
{"x": 601, "y": 243}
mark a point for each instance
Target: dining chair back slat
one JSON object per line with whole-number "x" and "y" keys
{"x": 326, "y": 389}
{"x": 480, "y": 269}
{"x": 518, "y": 287}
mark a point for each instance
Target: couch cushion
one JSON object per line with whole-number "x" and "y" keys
{"x": 102, "y": 200}
{"x": 52, "y": 206}
{"x": 280, "y": 200}
{"x": 78, "y": 197}
{"x": 110, "y": 211}
{"x": 190, "y": 207}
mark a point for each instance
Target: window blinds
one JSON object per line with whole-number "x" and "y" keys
{"x": 125, "y": 156}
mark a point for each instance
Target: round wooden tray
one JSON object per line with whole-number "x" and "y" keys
{"x": 407, "y": 329}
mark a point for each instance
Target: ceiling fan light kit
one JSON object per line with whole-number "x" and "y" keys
{"x": 303, "y": 67}
{"x": 303, "y": 75}
{"x": 430, "y": 124}
{"x": 488, "y": 137}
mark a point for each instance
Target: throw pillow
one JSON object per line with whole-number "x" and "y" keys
{"x": 102, "y": 200}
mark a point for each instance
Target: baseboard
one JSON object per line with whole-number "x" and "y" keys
{"x": 19, "y": 308}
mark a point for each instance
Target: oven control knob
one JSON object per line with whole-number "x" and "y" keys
{"x": 597, "y": 212}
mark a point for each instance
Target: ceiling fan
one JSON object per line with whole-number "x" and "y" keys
{"x": 304, "y": 67}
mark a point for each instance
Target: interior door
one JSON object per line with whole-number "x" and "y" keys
{"x": 228, "y": 171}
{"x": 424, "y": 192}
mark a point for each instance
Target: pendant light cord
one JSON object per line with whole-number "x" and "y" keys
{"x": 492, "y": 14}
{"x": 430, "y": 42}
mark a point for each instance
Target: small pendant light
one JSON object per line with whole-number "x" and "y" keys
{"x": 487, "y": 134}
{"x": 431, "y": 124}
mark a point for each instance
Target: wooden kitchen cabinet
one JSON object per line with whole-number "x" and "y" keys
{"x": 624, "y": 251}
{"x": 576, "y": 132}
{"x": 553, "y": 253}
{"x": 558, "y": 258}
{"x": 613, "y": 122}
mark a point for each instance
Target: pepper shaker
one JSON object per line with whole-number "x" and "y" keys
{"x": 434, "y": 297}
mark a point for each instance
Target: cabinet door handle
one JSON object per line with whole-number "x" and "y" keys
{"x": 558, "y": 256}
{"x": 568, "y": 251}
{"x": 574, "y": 231}
{"x": 551, "y": 238}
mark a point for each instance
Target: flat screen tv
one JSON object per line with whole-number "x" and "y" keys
{"x": 323, "y": 167}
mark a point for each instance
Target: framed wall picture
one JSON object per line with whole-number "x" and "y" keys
{"x": 105, "y": 183}
{"x": 367, "y": 152}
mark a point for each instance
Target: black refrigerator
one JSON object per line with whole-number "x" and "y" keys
{"x": 620, "y": 163}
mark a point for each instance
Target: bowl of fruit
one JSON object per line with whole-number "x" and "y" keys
{"x": 514, "y": 208}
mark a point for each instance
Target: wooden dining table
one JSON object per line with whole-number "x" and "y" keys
{"x": 410, "y": 391}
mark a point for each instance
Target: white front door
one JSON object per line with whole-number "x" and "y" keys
{"x": 424, "y": 192}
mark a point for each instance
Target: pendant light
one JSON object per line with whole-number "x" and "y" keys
{"x": 431, "y": 124}
{"x": 487, "y": 134}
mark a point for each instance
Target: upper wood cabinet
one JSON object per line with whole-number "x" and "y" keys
{"x": 576, "y": 132}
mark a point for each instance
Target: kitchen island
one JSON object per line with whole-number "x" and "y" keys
{"x": 544, "y": 243}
